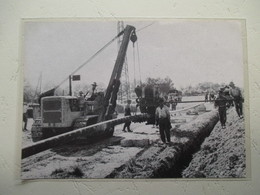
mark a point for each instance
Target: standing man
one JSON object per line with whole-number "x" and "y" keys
{"x": 236, "y": 94}
{"x": 206, "y": 96}
{"x": 94, "y": 86}
{"x": 127, "y": 113}
{"x": 221, "y": 102}
{"x": 25, "y": 116}
{"x": 162, "y": 114}
{"x": 94, "y": 93}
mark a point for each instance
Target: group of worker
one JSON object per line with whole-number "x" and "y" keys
{"x": 209, "y": 96}
{"x": 226, "y": 97}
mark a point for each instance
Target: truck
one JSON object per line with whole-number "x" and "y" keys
{"x": 148, "y": 98}
{"x": 60, "y": 114}
{"x": 173, "y": 97}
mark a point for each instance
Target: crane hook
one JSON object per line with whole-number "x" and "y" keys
{"x": 133, "y": 37}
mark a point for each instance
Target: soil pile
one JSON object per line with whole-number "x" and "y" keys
{"x": 222, "y": 154}
{"x": 167, "y": 161}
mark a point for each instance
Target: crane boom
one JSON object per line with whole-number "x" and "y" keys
{"x": 114, "y": 83}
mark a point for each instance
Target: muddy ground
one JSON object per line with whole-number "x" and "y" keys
{"x": 87, "y": 160}
{"x": 222, "y": 154}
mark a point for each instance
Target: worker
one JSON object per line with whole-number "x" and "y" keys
{"x": 138, "y": 91}
{"x": 127, "y": 113}
{"x": 206, "y": 96}
{"x": 221, "y": 103}
{"x": 81, "y": 100}
{"x": 174, "y": 103}
{"x": 211, "y": 95}
{"x": 227, "y": 95}
{"x": 94, "y": 86}
{"x": 25, "y": 116}
{"x": 94, "y": 94}
{"x": 162, "y": 114}
{"x": 236, "y": 94}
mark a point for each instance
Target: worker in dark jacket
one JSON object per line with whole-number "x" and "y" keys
{"x": 127, "y": 113}
{"x": 25, "y": 116}
{"x": 235, "y": 92}
{"x": 206, "y": 96}
{"x": 221, "y": 102}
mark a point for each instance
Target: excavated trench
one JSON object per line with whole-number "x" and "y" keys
{"x": 161, "y": 161}
{"x": 185, "y": 156}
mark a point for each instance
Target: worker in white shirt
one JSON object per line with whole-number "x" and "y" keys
{"x": 162, "y": 114}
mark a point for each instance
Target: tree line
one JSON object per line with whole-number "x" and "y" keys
{"x": 164, "y": 84}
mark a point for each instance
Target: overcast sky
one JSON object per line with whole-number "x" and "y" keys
{"x": 189, "y": 52}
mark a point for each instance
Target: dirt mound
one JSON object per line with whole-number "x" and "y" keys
{"x": 166, "y": 161}
{"x": 222, "y": 154}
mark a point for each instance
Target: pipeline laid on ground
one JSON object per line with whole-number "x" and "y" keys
{"x": 66, "y": 137}
{"x": 194, "y": 101}
{"x": 184, "y": 109}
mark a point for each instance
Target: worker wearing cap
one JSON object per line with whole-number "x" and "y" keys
{"x": 94, "y": 94}
{"x": 235, "y": 92}
{"x": 162, "y": 114}
{"x": 94, "y": 86}
{"x": 221, "y": 103}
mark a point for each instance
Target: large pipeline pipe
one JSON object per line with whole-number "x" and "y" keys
{"x": 66, "y": 137}
{"x": 194, "y": 101}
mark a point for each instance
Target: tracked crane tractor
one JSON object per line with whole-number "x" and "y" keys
{"x": 61, "y": 114}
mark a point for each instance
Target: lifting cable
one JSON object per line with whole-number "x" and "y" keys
{"x": 134, "y": 64}
{"x": 139, "y": 66}
{"x": 91, "y": 58}
{"x": 145, "y": 26}
{"x": 138, "y": 63}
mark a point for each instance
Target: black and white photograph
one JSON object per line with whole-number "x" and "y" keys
{"x": 133, "y": 99}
